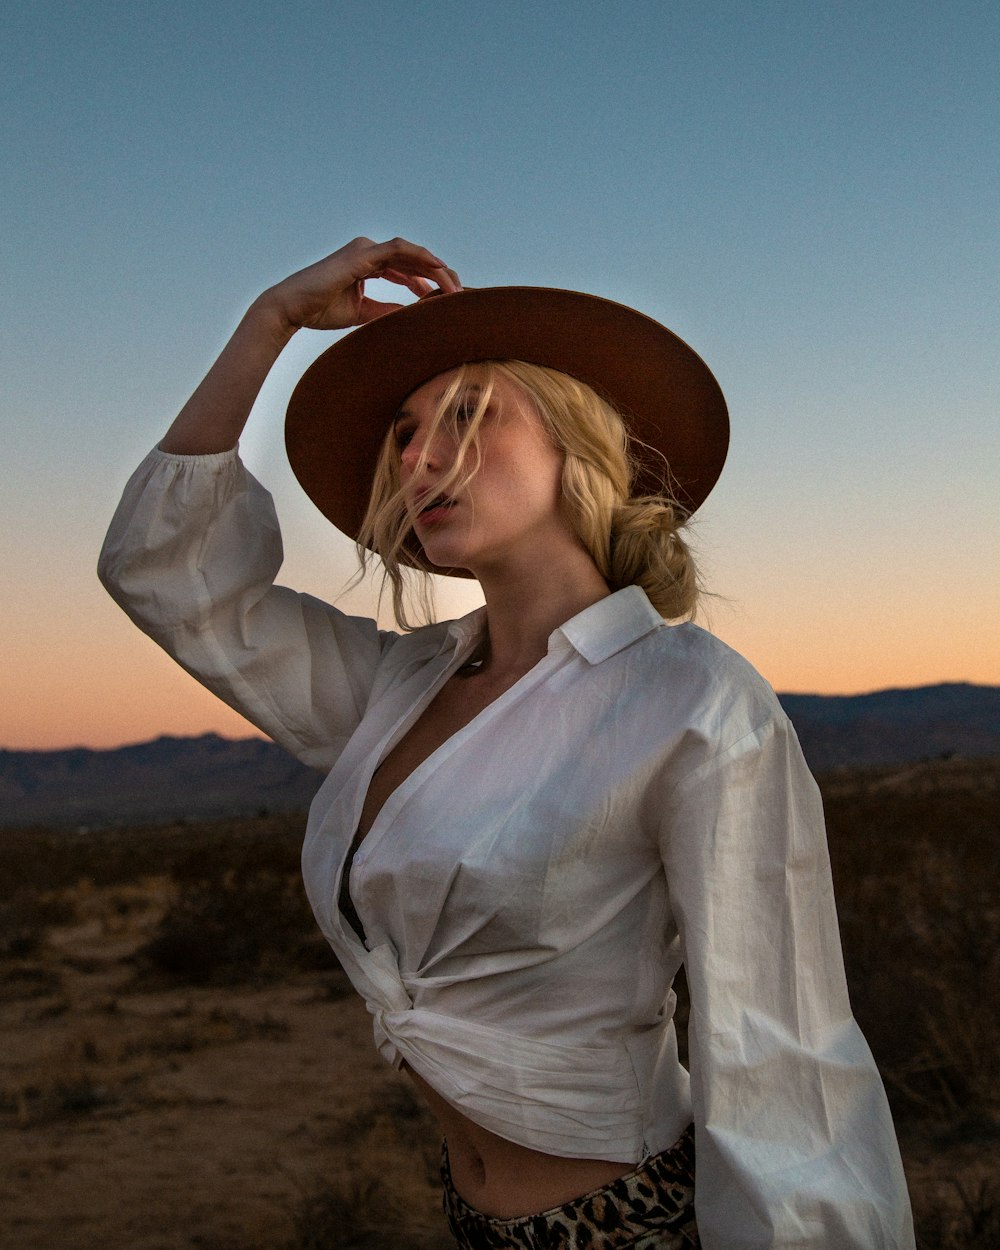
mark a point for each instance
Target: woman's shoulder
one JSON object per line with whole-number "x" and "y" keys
{"x": 690, "y": 644}
{"x": 629, "y": 648}
{"x": 694, "y": 667}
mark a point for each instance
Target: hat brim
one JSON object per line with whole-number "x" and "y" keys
{"x": 343, "y": 406}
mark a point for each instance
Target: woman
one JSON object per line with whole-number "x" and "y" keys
{"x": 534, "y": 815}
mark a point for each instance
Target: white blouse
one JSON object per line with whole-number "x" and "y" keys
{"x": 637, "y": 801}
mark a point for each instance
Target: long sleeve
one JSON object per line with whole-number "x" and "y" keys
{"x": 191, "y": 556}
{"x": 795, "y": 1143}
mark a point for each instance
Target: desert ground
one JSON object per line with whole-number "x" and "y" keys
{"x": 184, "y": 1065}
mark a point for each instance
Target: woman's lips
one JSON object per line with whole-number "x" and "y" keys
{"x": 435, "y": 510}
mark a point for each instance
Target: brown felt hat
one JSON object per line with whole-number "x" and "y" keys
{"x": 343, "y": 406}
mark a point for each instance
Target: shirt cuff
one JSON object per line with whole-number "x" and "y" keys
{"x": 210, "y": 459}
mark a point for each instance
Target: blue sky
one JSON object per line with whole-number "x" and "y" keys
{"x": 806, "y": 193}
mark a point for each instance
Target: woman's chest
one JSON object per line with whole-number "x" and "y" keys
{"x": 482, "y": 827}
{"x": 514, "y": 838}
{"x": 454, "y": 707}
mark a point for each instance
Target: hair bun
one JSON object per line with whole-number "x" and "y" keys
{"x": 648, "y": 550}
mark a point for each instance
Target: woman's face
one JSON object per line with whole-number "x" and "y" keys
{"x": 509, "y": 512}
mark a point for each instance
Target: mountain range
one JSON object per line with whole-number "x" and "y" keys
{"x": 176, "y": 779}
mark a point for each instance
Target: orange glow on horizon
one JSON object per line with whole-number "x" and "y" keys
{"x": 129, "y": 691}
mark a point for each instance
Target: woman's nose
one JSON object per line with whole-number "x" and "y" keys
{"x": 411, "y": 453}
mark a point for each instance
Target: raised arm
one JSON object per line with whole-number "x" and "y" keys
{"x": 329, "y": 295}
{"x": 194, "y": 546}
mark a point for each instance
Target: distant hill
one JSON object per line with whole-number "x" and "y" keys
{"x": 895, "y": 726}
{"x": 204, "y": 778}
{"x": 165, "y": 780}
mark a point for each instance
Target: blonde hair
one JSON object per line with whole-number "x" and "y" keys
{"x": 632, "y": 539}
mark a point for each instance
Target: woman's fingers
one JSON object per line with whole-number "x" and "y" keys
{"x": 401, "y": 257}
{"x": 330, "y": 294}
{"x": 447, "y": 280}
{"x": 413, "y": 282}
{"x": 402, "y": 254}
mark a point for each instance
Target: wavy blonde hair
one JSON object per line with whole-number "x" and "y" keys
{"x": 632, "y": 539}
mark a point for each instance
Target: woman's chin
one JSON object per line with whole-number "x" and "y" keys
{"x": 444, "y": 557}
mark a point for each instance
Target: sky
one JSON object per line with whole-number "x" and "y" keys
{"x": 805, "y": 193}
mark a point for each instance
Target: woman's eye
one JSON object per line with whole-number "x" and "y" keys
{"x": 403, "y": 438}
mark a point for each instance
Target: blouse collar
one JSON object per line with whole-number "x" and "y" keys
{"x": 597, "y": 633}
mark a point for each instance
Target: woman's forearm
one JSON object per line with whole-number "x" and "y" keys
{"x": 213, "y": 418}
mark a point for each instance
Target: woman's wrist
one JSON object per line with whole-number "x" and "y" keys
{"x": 268, "y": 314}
{"x": 213, "y": 418}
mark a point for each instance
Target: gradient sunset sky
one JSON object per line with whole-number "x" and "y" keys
{"x": 807, "y": 193}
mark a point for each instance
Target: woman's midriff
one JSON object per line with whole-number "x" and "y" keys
{"x": 505, "y": 1180}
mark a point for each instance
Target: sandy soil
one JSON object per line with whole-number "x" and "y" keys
{"x": 157, "y": 1118}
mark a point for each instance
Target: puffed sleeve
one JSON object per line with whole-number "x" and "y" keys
{"x": 794, "y": 1139}
{"x": 191, "y": 556}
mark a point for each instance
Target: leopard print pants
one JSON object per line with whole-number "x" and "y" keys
{"x": 650, "y": 1208}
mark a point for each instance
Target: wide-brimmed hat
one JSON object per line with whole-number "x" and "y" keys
{"x": 345, "y": 403}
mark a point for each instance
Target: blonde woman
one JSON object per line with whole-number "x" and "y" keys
{"x": 532, "y": 817}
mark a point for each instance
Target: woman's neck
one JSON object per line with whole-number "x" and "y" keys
{"x": 524, "y": 606}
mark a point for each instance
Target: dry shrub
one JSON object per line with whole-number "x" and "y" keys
{"x": 105, "y": 1072}
{"x": 380, "y": 1188}
{"x": 240, "y": 927}
{"x": 72, "y": 1083}
{"x": 25, "y": 919}
{"x": 21, "y": 980}
{"x": 921, "y": 931}
{"x": 70, "y": 1093}
{"x": 359, "y": 1212}
{"x": 71, "y": 1097}
{"x": 217, "y": 1028}
{"x": 385, "y": 1190}
{"x": 45, "y": 860}
{"x": 974, "y": 1225}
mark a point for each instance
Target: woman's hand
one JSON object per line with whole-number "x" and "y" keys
{"x": 330, "y": 295}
